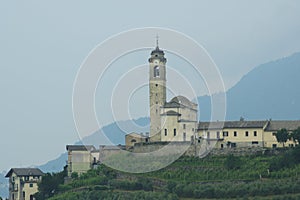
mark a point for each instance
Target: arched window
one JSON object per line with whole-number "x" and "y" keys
{"x": 156, "y": 71}
{"x": 133, "y": 140}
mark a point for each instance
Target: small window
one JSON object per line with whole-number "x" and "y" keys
{"x": 156, "y": 85}
{"x": 13, "y": 179}
{"x": 255, "y": 133}
{"x": 208, "y": 135}
{"x": 166, "y": 132}
{"x": 184, "y": 126}
{"x": 31, "y": 185}
{"x": 235, "y": 134}
{"x": 26, "y": 178}
{"x": 225, "y": 133}
{"x": 193, "y": 129}
{"x": 254, "y": 142}
{"x": 184, "y": 136}
{"x": 174, "y": 131}
{"x": 218, "y": 135}
{"x": 222, "y": 146}
{"x": 274, "y": 145}
{"x": 156, "y": 71}
{"x": 274, "y": 134}
{"x": 246, "y": 133}
{"x": 156, "y": 102}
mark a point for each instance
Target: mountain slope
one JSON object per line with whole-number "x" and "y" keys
{"x": 270, "y": 90}
{"x": 3, "y": 185}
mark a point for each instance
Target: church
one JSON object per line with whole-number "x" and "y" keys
{"x": 173, "y": 120}
{"x": 176, "y": 120}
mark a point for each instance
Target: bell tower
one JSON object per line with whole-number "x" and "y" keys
{"x": 157, "y": 90}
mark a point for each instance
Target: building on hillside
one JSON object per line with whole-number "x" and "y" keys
{"x": 176, "y": 120}
{"x": 274, "y": 126}
{"x": 245, "y": 133}
{"x": 81, "y": 158}
{"x": 133, "y": 138}
{"x": 169, "y": 121}
{"x": 23, "y": 183}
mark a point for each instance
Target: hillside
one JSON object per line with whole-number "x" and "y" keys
{"x": 214, "y": 177}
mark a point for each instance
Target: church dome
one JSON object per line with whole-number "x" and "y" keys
{"x": 182, "y": 100}
{"x": 157, "y": 51}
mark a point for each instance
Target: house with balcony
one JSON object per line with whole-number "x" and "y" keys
{"x": 23, "y": 183}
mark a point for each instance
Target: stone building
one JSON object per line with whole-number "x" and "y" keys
{"x": 23, "y": 183}
{"x": 133, "y": 138}
{"x": 169, "y": 121}
{"x": 81, "y": 158}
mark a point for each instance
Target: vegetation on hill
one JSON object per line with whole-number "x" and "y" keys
{"x": 213, "y": 177}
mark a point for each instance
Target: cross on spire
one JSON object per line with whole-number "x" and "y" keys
{"x": 157, "y": 37}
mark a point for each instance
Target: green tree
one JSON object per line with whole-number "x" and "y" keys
{"x": 74, "y": 175}
{"x": 296, "y": 135}
{"x": 282, "y": 136}
{"x": 49, "y": 185}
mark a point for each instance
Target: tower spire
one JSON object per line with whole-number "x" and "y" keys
{"x": 157, "y": 37}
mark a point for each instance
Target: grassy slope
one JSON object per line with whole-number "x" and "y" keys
{"x": 188, "y": 178}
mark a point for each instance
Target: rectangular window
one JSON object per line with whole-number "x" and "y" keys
{"x": 208, "y": 135}
{"x": 174, "y": 131}
{"x": 166, "y": 132}
{"x": 255, "y": 133}
{"x": 246, "y": 133}
{"x": 235, "y": 134}
{"x": 31, "y": 185}
{"x": 225, "y": 133}
{"x": 26, "y": 178}
{"x": 274, "y": 134}
{"x": 184, "y": 126}
{"x": 218, "y": 135}
{"x": 274, "y": 145}
{"x": 254, "y": 142}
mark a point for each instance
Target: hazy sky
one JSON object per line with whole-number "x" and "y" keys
{"x": 43, "y": 44}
